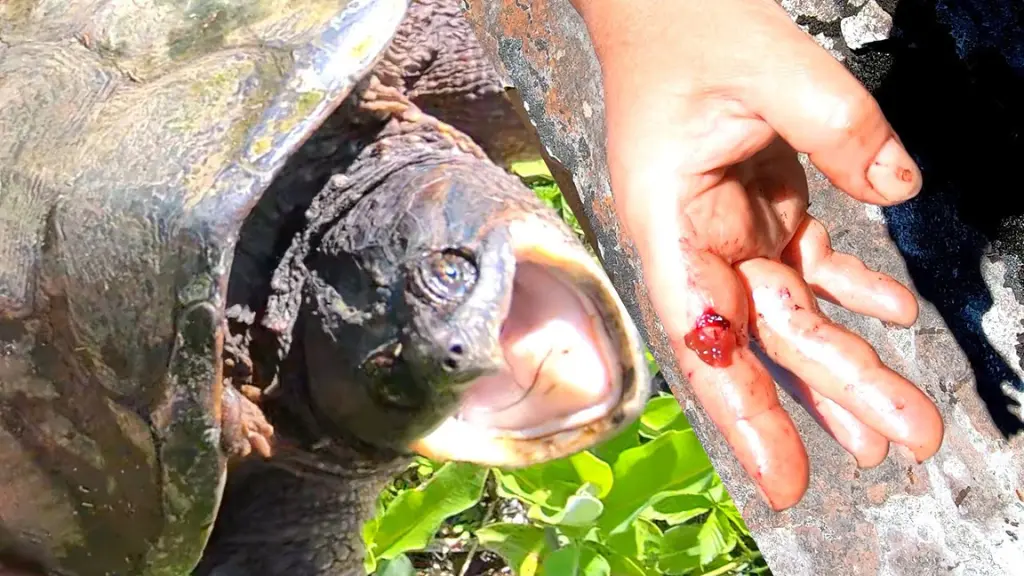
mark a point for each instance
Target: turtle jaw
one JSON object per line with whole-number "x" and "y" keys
{"x": 575, "y": 372}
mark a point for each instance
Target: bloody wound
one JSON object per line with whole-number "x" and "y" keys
{"x": 711, "y": 339}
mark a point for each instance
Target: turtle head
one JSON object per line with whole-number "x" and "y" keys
{"x": 462, "y": 319}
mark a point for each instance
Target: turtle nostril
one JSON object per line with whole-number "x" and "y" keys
{"x": 455, "y": 352}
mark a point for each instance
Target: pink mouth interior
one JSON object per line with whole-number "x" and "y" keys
{"x": 557, "y": 357}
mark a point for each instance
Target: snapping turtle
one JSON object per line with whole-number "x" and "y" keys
{"x": 254, "y": 254}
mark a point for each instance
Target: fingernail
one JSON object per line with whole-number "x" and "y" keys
{"x": 894, "y": 174}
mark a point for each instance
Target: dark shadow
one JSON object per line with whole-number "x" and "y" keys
{"x": 951, "y": 81}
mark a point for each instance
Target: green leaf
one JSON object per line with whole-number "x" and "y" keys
{"x": 652, "y": 364}
{"x": 729, "y": 511}
{"x": 677, "y": 508}
{"x": 680, "y": 550}
{"x": 551, "y": 484}
{"x": 425, "y": 467}
{"x": 625, "y": 564}
{"x": 622, "y": 565}
{"x": 369, "y": 531}
{"x": 640, "y": 540}
{"x": 610, "y": 449}
{"x": 549, "y": 193}
{"x": 576, "y": 560}
{"x": 702, "y": 484}
{"x": 531, "y": 168}
{"x": 643, "y": 473}
{"x": 411, "y": 521}
{"x": 581, "y": 509}
{"x": 716, "y": 491}
{"x": 727, "y": 566}
{"x": 662, "y": 413}
{"x": 727, "y": 507}
{"x": 716, "y": 538}
{"x": 400, "y": 565}
{"x": 523, "y": 546}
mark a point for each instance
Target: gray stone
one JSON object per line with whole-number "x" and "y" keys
{"x": 824, "y": 10}
{"x": 829, "y": 43}
{"x": 871, "y": 24}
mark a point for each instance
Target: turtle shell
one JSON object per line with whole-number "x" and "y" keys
{"x": 135, "y": 138}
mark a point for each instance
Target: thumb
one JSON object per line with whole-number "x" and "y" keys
{"x": 817, "y": 106}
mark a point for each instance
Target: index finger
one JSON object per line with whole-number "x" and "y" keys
{"x": 704, "y": 309}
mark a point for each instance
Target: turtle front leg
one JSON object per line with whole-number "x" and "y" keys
{"x": 274, "y": 522}
{"x": 244, "y": 428}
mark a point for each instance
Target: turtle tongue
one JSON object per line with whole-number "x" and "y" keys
{"x": 556, "y": 353}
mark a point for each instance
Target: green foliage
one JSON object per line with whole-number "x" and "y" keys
{"x": 536, "y": 175}
{"x": 651, "y": 506}
{"x": 410, "y": 520}
{"x": 644, "y": 503}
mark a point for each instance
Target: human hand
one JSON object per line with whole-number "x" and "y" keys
{"x": 707, "y": 104}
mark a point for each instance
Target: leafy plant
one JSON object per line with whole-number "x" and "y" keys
{"x": 644, "y": 503}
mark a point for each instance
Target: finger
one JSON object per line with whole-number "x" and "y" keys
{"x": 869, "y": 448}
{"x": 809, "y": 98}
{"x": 836, "y": 363}
{"x": 703, "y": 310}
{"x": 843, "y": 279}
{"x": 743, "y": 403}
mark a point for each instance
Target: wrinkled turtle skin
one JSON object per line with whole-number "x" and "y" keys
{"x": 254, "y": 254}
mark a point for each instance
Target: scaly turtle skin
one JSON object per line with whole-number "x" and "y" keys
{"x": 231, "y": 225}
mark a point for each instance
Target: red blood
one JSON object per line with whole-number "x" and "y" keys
{"x": 712, "y": 339}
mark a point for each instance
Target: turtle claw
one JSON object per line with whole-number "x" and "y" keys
{"x": 244, "y": 428}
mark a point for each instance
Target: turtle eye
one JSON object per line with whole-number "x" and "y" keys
{"x": 445, "y": 276}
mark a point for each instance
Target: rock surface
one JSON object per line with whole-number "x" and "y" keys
{"x": 869, "y": 24}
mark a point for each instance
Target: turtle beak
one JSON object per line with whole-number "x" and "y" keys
{"x": 571, "y": 368}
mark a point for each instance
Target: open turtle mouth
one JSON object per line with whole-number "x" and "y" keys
{"x": 559, "y": 360}
{"x": 574, "y": 372}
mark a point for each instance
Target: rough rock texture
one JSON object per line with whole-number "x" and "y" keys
{"x": 962, "y": 511}
{"x": 870, "y": 24}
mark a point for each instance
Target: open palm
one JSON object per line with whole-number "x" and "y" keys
{"x": 739, "y": 261}
{"x": 709, "y": 187}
